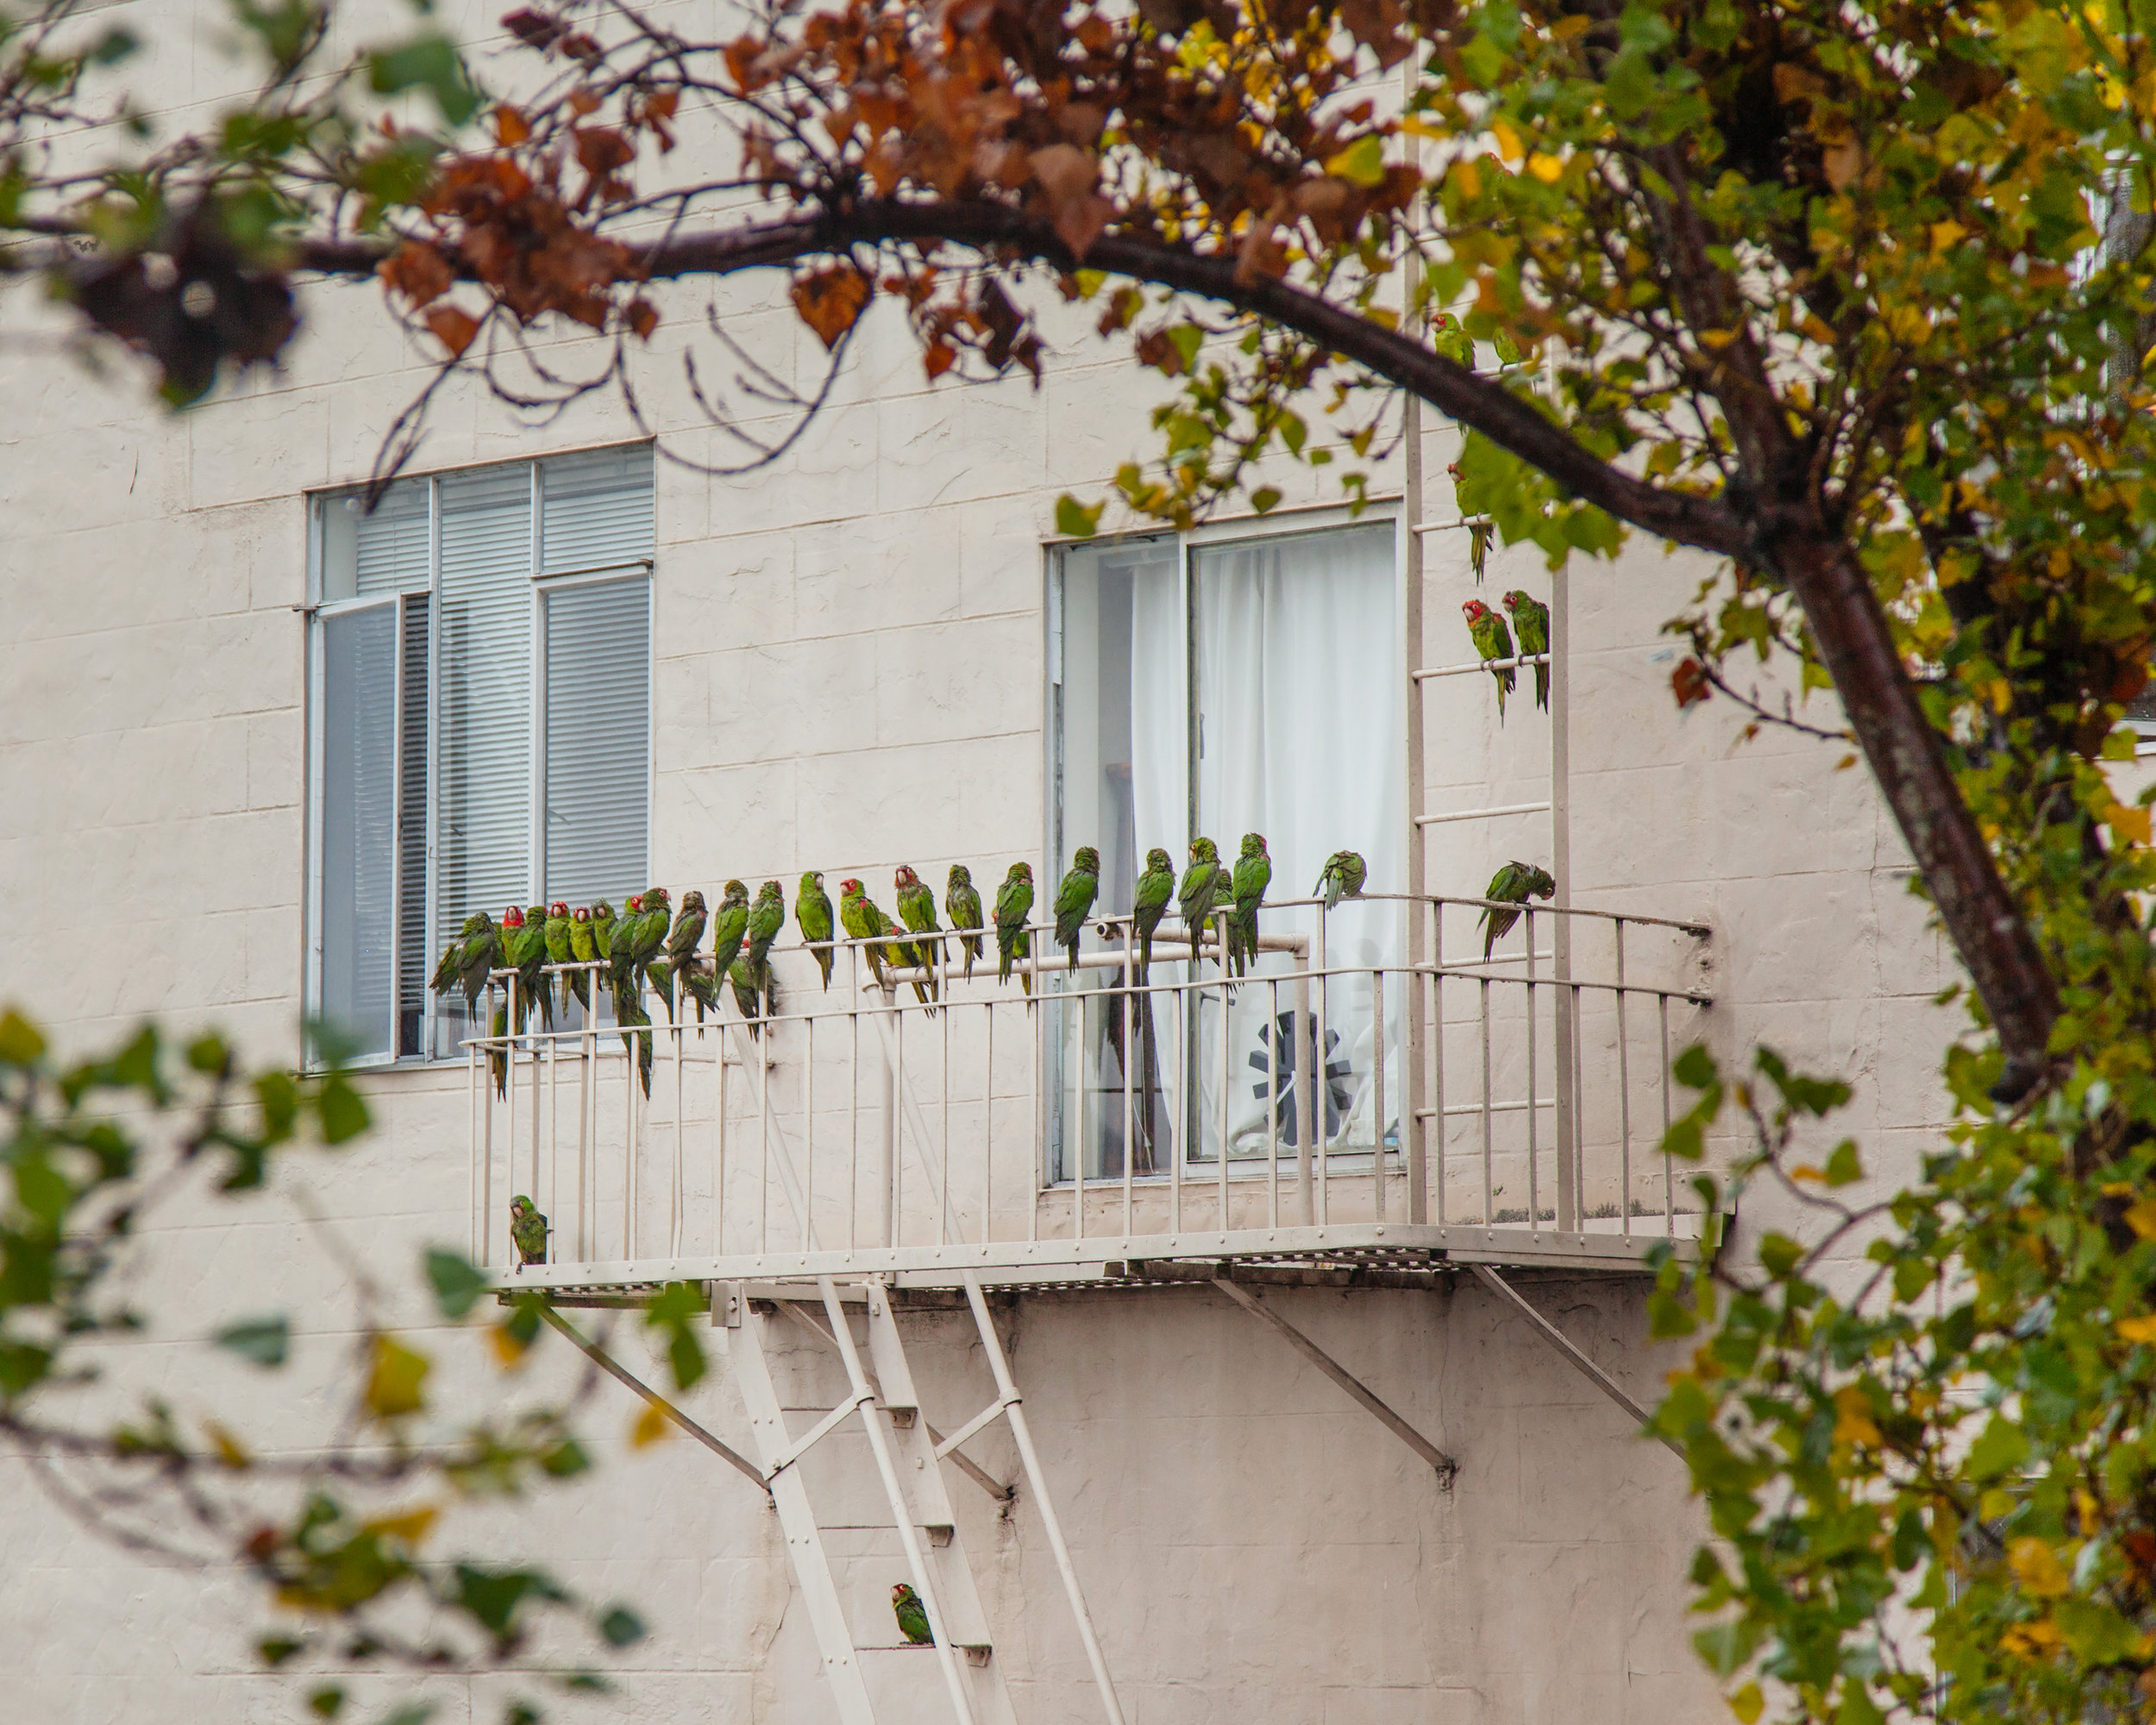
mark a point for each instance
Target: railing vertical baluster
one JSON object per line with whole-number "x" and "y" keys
{"x": 1534, "y": 1102}
{"x": 1179, "y": 1117}
{"x": 508, "y": 1097}
{"x": 554, "y": 1134}
{"x": 674, "y": 1220}
{"x": 988, "y": 1128}
{"x": 480, "y": 1097}
{"x": 1623, "y": 1094}
{"x": 1577, "y": 1150}
{"x": 1030, "y": 1011}
{"x": 1436, "y": 1069}
{"x": 1272, "y": 1103}
{"x": 755, "y": 1044}
{"x": 1299, "y": 1034}
{"x": 1317, "y": 1083}
{"x": 896, "y": 1169}
{"x": 1669, "y": 1177}
{"x": 1224, "y": 1074}
{"x": 586, "y": 1124}
{"x": 1489, "y": 1191}
{"x": 628, "y": 1068}
{"x": 718, "y": 1143}
{"x": 1377, "y": 1121}
{"x": 808, "y": 1127}
{"x": 853, "y": 1125}
{"x": 944, "y": 1206}
{"x": 1130, "y": 1089}
{"x": 532, "y": 1047}
{"x": 1073, "y": 1067}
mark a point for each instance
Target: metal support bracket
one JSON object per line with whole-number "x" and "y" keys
{"x": 1255, "y": 1304}
{"x": 1565, "y": 1345}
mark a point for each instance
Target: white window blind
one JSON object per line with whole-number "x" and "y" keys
{"x": 598, "y": 739}
{"x": 359, "y": 803}
{"x": 394, "y": 555}
{"x": 597, "y": 511}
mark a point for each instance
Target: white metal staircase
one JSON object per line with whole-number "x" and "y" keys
{"x": 881, "y": 1395}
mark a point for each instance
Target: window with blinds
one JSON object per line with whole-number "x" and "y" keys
{"x": 480, "y": 674}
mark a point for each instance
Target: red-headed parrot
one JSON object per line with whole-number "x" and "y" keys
{"x": 524, "y": 951}
{"x": 962, "y": 902}
{"x": 1531, "y": 621}
{"x": 917, "y": 910}
{"x": 1344, "y": 873}
{"x": 1253, "y": 873}
{"x": 912, "y": 1615}
{"x": 1073, "y": 900}
{"x": 527, "y": 1232}
{"x": 1149, "y": 904}
{"x": 1204, "y": 881}
{"x": 558, "y": 953}
{"x": 813, "y": 916}
{"x": 1514, "y": 884}
{"x": 1492, "y": 641}
{"x": 864, "y": 921}
{"x": 730, "y": 928}
{"x": 1014, "y": 907}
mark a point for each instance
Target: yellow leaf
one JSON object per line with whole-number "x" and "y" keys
{"x": 2129, "y": 821}
{"x": 393, "y": 1387}
{"x": 1852, "y": 1417}
{"x": 1545, "y": 167}
{"x": 2138, "y": 1329}
{"x": 652, "y": 1426}
{"x": 507, "y": 1348}
{"x": 2031, "y": 1641}
{"x": 2037, "y": 1567}
{"x": 1747, "y": 1704}
{"x": 1508, "y": 144}
{"x": 230, "y": 1451}
{"x": 1717, "y": 338}
{"x": 1468, "y": 176}
{"x": 1945, "y": 234}
{"x": 1806, "y": 1171}
{"x": 2141, "y": 1218}
{"x": 412, "y": 1527}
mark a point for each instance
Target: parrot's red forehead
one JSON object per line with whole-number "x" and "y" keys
{"x": 582, "y": 913}
{"x": 559, "y": 908}
{"x": 1473, "y": 607}
{"x": 513, "y": 917}
{"x": 849, "y": 886}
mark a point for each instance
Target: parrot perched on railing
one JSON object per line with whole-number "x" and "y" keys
{"x": 730, "y": 927}
{"x": 1531, "y": 622}
{"x": 528, "y": 1231}
{"x": 917, "y": 910}
{"x": 1074, "y": 899}
{"x": 524, "y": 951}
{"x": 1253, "y": 873}
{"x": 557, "y": 936}
{"x": 1515, "y": 884}
{"x": 1203, "y": 882}
{"x": 469, "y": 963}
{"x": 813, "y": 916}
{"x": 1149, "y": 904}
{"x": 583, "y": 949}
{"x": 962, "y": 902}
{"x": 1014, "y": 907}
{"x": 619, "y": 945}
{"x": 766, "y": 918}
{"x": 864, "y": 921}
{"x": 648, "y": 939}
{"x": 1344, "y": 873}
{"x": 1492, "y": 641}
{"x": 603, "y": 922}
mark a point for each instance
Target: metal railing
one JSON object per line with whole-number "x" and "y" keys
{"x": 1528, "y": 1088}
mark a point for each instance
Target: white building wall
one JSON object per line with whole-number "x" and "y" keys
{"x": 848, "y": 673}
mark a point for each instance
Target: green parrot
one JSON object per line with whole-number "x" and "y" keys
{"x": 1344, "y": 873}
{"x": 912, "y": 1615}
{"x": 1531, "y": 618}
{"x": 699, "y": 982}
{"x": 477, "y": 954}
{"x": 630, "y": 1014}
{"x": 766, "y": 918}
{"x": 813, "y": 916}
{"x": 1253, "y": 873}
{"x": 1073, "y": 900}
{"x": 962, "y": 902}
{"x": 557, "y": 934}
{"x": 1479, "y": 533}
{"x": 864, "y": 921}
{"x": 1014, "y": 904}
{"x": 649, "y": 942}
{"x": 1149, "y": 904}
{"x": 621, "y": 948}
{"x": 445, "y": 967}
{"x": 583, "y": 949}
{"x": 917, "y": 910}
{"x": 729, "y": 929}
{"x": 688, "y": 928}
{"x": 1514, "y": 884}
{"x": 752, "y": 993}
{"x": 1492, "y": 641}
{"x": 603, "y": 920}
{"x": 527, "y": 1232}
{"x": 1203, "y": 882}
{"x": 497, "y": 1055}
{"x": 524, "y": 951}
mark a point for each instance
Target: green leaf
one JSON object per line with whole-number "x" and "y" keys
{"x": 1843, "y": 1167}
{"x": 327, "y": 1702}
{"x": 20, "y": 1043}
{"x": 1362, "y": 162}
{"x": 457, "y": 1282}
{"x": 621, "y": 1627}
{"x": 1074, "y": 520}
{"x": 2001, "y": 1446}
{"x": 1264, "y": 500}
{"x": 430, "y": 63}
{"x": 344, "y": 1110}
{"x": 266, "y": 1341}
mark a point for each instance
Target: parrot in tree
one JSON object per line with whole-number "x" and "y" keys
{"x": 583, "y": 949}
{"x": 962, "y": 902}
{"x": 1149, "y": 904}
{"x": 527, "y": 1232}
{"x": 1514, "y": 884}
{"x": 729, "y": 929}
{"x": 864, "y": 921}
{"x": 751, "y": 995}
{"x": 1492, "y": 641}
{"x": 1014, "y": 904}
{"x": 1344, "y": 873}
{"x": 917, "y": 910}
{"x": 1531, "y": 618}
{"x": 813, "y": 916}
{"x": 1253, "y": 873}
{"x": 912, "y": 1615}
{"x": 557, "y": 934}
{"x": 1074, "y": 899}
{"x": 766, "y": 918}
{"x": 1204, "y": 881}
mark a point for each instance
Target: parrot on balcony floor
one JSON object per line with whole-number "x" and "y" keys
{"x": 962, "y": 903}
{"x": 864, "y": 921}
{"x": 813, "y": 916}
{"x": 1149, "y": 904}
{"x": 1074, "y": 899}
{"x": 917, "y": 910}
{"x": 1014, "y": 907}
{"x": 1514, "y": 884}
{"x": 1492, "y": 641}
{"x": 1203, "y": 882}
{"x": 1253, "y": 873}
{"x": 1344, "y": 873}
{"x": 766, "y": 918}
{"x": 558, "y": 953}
{"x": 1531, "y": 622}
{"x": 912, "y": 1615}
{"x": 527, "y": 1232}
{"x": 583, "y": 949}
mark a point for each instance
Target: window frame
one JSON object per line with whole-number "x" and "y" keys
{"x": 319, "y": 610}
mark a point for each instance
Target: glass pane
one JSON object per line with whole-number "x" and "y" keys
{"x": 414, "y": 963}
{"x": 382, "y": 550}
{"x": 359, "y": 806}
{"x": 1301, "y": 737}
{"x": 598, "y": 737}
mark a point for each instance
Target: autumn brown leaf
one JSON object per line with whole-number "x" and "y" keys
{"x": 452, "y": 329}
{"x": 831, "y": 300}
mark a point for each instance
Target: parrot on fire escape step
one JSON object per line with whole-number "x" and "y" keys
{"x": 813, "y": 916}
{"x": 1514, "y": 884}
{"x": 583, "y": 949}
{"x": 1253, "y": 873}
{"x": 1014, "y": 908}
{"x": 1149, "y": 904}
{"x": 527, "y": 1232}
{"x": 1492, "y": 641}
{"x": 962, "y": 903}
{"x": 1344, "y": 873}
{"x": 917, "y": 910}
{"x": 1074, "y": 899}
{"x": 766, "y": 918}
{"x": 1203, "y": 882}
{"x": 912, "y": 1615}
{"x": 1531, "y": 622}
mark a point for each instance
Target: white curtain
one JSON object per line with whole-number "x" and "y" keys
{"x": 1300, "y": 738}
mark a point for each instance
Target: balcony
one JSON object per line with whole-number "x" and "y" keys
{"x": 1498, "y": 1110}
